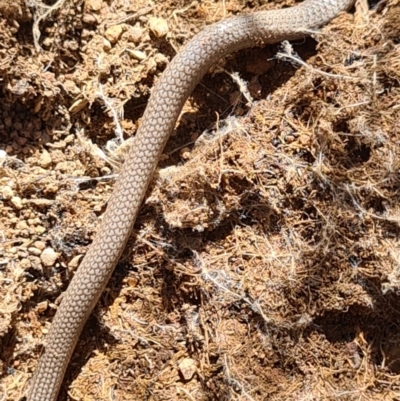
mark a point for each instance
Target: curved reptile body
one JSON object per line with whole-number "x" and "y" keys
{"x": 164, "y": 107}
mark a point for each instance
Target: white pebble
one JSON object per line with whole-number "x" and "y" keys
{"x": 7, "y": 193}
{"x": 17, "y": 202}
{"x": 49, "y": 257}
{"x": 158, "y": 26}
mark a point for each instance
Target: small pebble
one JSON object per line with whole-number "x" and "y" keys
{"x": 114, "y": 33}
{"x": 49, "y": 257}
{"x": 89, "y": 19}
{"x": 187, "y": 367}
{"x": 25, "y": 264}
{"x": 12, "y": 184}
{"x": 185, "y": 153}
{"x": 39, "y": 245}
{"x": 151, "y": 66}
{"x": 94, "y": 5}
{"x": 45, "y": 159}
{"x": 42, "y": 306}
{"x": 36, "y": 264}
{"x": 106, "y": 45}
{"x": 7, "y": 193}
{"x": 34, "y": 251}
{"x": 137, "y": 54}
{"x": 158, "y": 26}
{"x": 17, "y": 202}
{"x": 22, "y": 225}
{"x": 40, "y": 230}
{"x": 135, "y": 34}
{"x": 160, "y": 60}
{"x": 74, "y": 263}
{"x": 66, "y": 166}
{"x": 41, "y": 202}
{"x": 70, "y": 138}
{"x": 72, "y": 88}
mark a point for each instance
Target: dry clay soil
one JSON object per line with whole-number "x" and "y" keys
{"x": 265, "y": 262}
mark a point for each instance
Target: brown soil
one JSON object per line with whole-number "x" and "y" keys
{"x": 265, "y": 263}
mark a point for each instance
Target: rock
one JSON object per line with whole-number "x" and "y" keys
{"x": 158, "y": 26}
{"x": 25, "y": 264}
{"x": 187, "y": 367}
{"x": 137, "y": 54}
{"x": 22, "y": 225}
{"x": 106, "y": 45}
{"x": 34, "y": 251}
{"x": 89, "y": 19}
{"x": 42, "y": 306}
{"x": 160, "y": 60}
{"x": 40, "y": 230}
{"x": 72, "y": 88}
{"x": 113, "y": 33}
{"x": 49, "y": 257}
{"x": 94, "y": 5}
{"x": 17, "y": 202}
{"x": 45, "y": 159}
{"x": 7, "y": 193}
{"x": 74, "y": 263}
{"x": 3, "y": 155}
{"x": 151, "y": 66}
{"x": 65, "y": 167}
{"x": 70, "y": 138}
{"x": 42, "y": 203}
{"x": 39, "y": 245}
{"x": 135, "y": 34}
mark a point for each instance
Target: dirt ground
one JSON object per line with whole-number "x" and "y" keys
{"x": 265, "y": 263}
